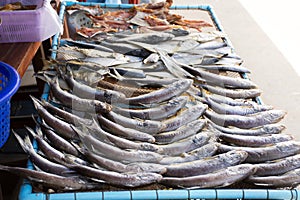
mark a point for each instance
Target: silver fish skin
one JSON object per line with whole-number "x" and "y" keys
{"x": 63, "y": 114}
{"x": 214, "y": 44}
{"x": 52, "y": 181}
{"x": 75, "y": 102}
{"x": 115, "y": 153}
{"x": 89, "y": 45}
{"x": 41, "y": 162}
{"x": 205, "y": 151}
{"x": 229, "y": 176}
{"x": 56, "y": 141}
{"x": 148, "y": 126}
{"x": 118, "y": 179}
{"x": 255, "y": 141}
{"x": 87, "y": 92}
{"x": 268, "y": 153}
{"x": 290, "y": 179}
{"x": 60, "y": 126}
{"x": 236, "y": 110}
{"x": 248, "y": 121}
{"x": 190, "y": 114}
{"x": 96, "y": 131}
{"x": 262, "y": 130}
{"x": 231, "y": 68}
{"x": 278, "y": 167}
{"x": 162, "y": 111}
{"x": 186, "y": 145}
{"x": 120, "y": 47}
{"x": 149, "y": 38}
{"x": 122, "y": 131}
{"x": 182, "y": 132}
{"x": 207, "y": 165}
{"x": 123, "y": 168}
{"x": 174, "y": 89}
{"x": 230, "y": 101}
{"x": 233, "y": 93}
{"x": 220, "y": 80}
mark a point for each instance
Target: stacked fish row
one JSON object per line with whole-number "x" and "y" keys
{"x": 166, "y": 108}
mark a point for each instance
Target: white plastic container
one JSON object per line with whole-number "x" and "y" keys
{"x": 28, "y": 25}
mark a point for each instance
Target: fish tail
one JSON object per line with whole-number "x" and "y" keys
{"x": 22, "y": 142}
{"x": 5, "y": 168}
{"x": 32, "y": 132}
{"x": 37, "y": 103}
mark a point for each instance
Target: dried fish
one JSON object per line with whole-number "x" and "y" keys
{"x": 53, "y": 181}
{"x": 254, "y": 141}
{"x": 278, "y": 167}
{"x": 268, "y": 153}
{"x": 41, "y": 162}
{"x": 174, "y": 89}
{"x": 233, "y": 93}
{"x": 122, "y": 131}
{"x": 190, "y": 114}
{"x": 114, "y": 153}
{"x": 248, "y": 121}
{"x": 263, "y": 130}
{"x": 290, "y": 179}
{"x": 207, "y": 165}
{"x": 180, "y": 133}
{"x": 162, "y": 111}
{"x": 236, "y": 110}
{"x": 229, "y": 176}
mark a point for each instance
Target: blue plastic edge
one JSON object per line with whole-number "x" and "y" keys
{"x": 26, "y": 189}
{"x": 14, "y": 82}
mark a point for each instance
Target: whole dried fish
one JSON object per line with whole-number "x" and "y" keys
{"x": 61, "y": 127}
{"x": 118, "y": 179}
{"x": 207, "y": 165}
{"x": 122, "y": 131}
{"x": 268, "y": 153}
{"x": 180, "y": 133}
{"x": 120, "y": 167}
{"x": 248, "y": 121}
{"x": 233, "y": 93}
{"x": 148, "y": 126}
{"x": 149, "y": 38}
{"x": 289, "y": 179}
{"x": 41, "y": 162}
{"x": 186, "y": 145}
{"x": 115, "y": 153}
{"x": 163, "y": 111}
{"x": 53, "y": 181}
{"x": 278, "y": 167}
{"x": 236, "y": 110}
{"x": 190, "y": 114}
{"x": 229, "y": 176}
{"x": 254, "y": 141}
{"x": 263, "y": 130}
{"x": 205, "y": 151}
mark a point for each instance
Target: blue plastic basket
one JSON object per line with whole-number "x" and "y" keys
{"x": 9, "y": 84}
{"x": 27, "y": 193}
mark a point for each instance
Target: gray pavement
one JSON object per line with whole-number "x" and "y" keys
{"x": 270, "y": 69}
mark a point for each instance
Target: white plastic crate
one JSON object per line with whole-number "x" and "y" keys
{"x": 28, "y": 25}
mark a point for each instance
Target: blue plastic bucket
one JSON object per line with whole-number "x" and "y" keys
{"x": 9, "y": 84}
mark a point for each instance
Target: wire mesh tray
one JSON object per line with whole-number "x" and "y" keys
{"x": 27, "y": 193}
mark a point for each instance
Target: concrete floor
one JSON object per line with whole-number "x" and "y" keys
{"x": 270, "y": 69}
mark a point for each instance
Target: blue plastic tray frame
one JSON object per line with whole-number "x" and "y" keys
{"x": 26, "y": 192}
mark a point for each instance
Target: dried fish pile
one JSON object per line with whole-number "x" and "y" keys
{"x": 165, "y": 108}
